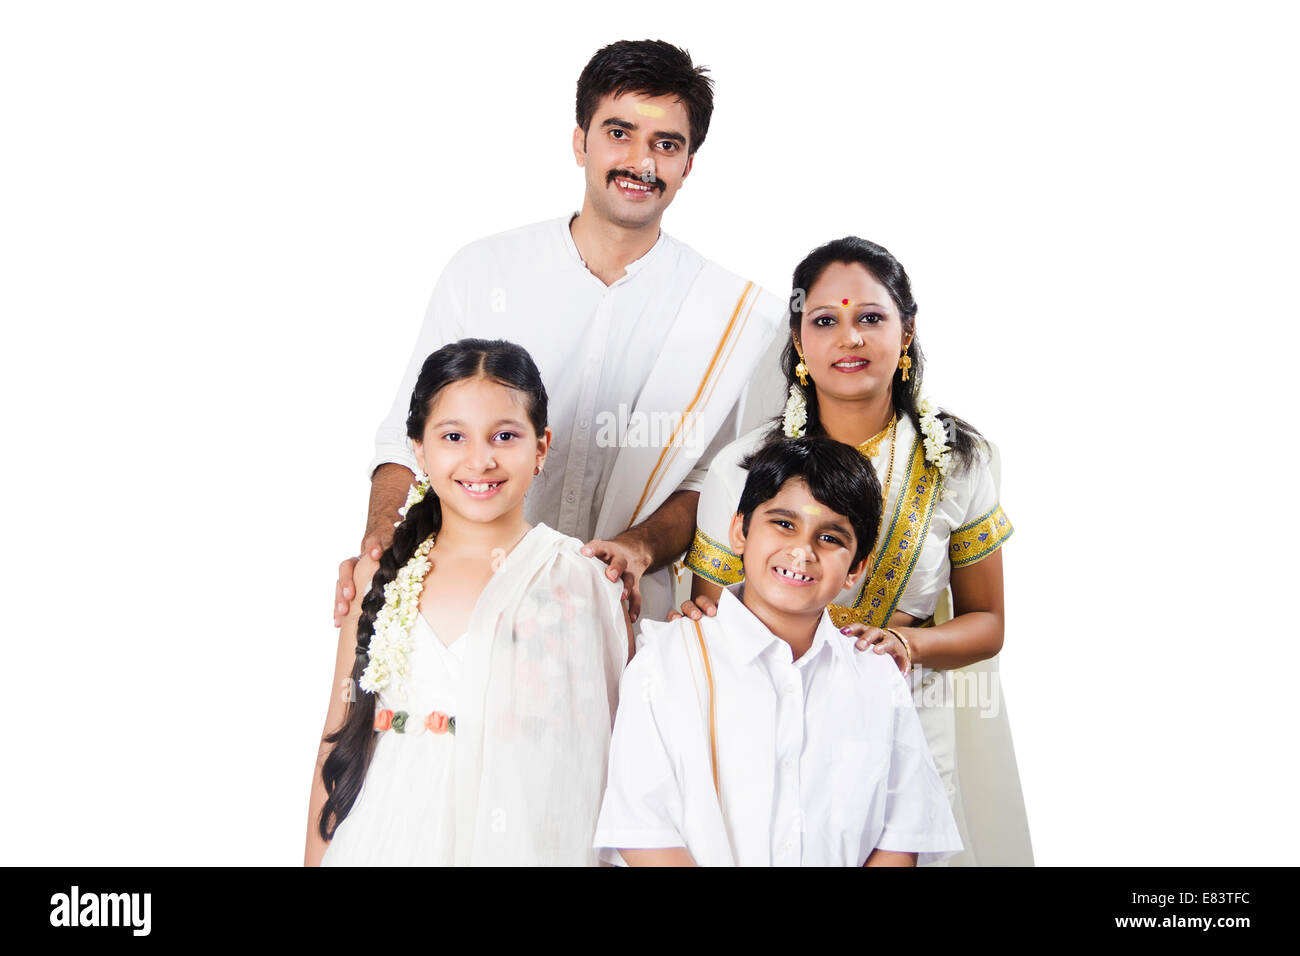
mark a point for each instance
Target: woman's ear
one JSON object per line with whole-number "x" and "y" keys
{"x": 736, "y": 534}
{"x": 419, "y": 455}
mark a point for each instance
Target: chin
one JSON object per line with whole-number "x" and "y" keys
{"x": 784, "y": 599}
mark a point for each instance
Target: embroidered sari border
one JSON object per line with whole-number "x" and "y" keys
{"x": 978, "y": 539}
{"x": 902, "y": 543}
{"x": 713, "y": 561}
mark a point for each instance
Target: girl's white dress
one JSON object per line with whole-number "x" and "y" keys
{"x": 928, "y": 526}
{"x": 533, "y": 686}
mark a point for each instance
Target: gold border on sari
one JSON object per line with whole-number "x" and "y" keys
{"x": 713, "y": 561}
{"x": 975, "y": 541}
{"x": 884, "y": 586}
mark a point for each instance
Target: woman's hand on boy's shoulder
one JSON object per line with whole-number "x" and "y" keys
{"x": 880, "y": 641}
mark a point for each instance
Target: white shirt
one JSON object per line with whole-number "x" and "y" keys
{"x": 820, "y": 760}
{"x": 593, "y": 344}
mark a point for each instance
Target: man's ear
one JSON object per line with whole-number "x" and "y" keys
{"x": 580, "y": 146}
{"x": 736, "y": 534}
{"x": 690, "y": 161}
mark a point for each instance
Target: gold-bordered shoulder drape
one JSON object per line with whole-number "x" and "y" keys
{"x": 899, "y": 548}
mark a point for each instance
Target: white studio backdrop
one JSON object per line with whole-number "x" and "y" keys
{"x": 221, "y": 224}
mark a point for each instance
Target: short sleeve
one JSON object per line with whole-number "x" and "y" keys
{"x": 985, "y": 526}
{"x": 643, "y": 806}
{"x": 918, "y": 818}
{"x": 443, "y": 323}
{"x": 709, "y": 556}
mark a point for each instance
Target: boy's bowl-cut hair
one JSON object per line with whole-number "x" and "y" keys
{"x": 837, "y": 476}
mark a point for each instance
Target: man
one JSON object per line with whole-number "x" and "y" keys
{"x": 645, "y": 347}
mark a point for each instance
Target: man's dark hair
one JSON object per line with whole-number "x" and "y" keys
{"x": 837, "y": 476}
{"x": 653, "y": 68}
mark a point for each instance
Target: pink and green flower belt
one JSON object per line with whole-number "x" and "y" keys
{"x": 436, "y": 722}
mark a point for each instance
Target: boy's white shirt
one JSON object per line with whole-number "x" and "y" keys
{"x": 820, "y": 760}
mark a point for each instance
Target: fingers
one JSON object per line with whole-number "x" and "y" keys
{"x": 343, "y": 590}
{"x": 633, "y": 591}
{"x": 866, "y": 635}
{"x": 372, "y": 546}
{"x": 601, "y": 549}
{"x": 707, "y": 606}
{"x": 674, "y": 614}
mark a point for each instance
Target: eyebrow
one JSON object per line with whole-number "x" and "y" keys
{"x": 832, "y": 526}
{"x": 459, "y": 424}
{"x": 865, "y": 305}
{"x": 631, "y": 127}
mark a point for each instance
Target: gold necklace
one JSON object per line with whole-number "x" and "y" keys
{"x": 889, "y": 469}
{"x": 871, "y": 447}
{"x": 884, "y": 497}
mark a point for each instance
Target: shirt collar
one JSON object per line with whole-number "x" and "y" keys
{"x": 748, "y": 637}
{"x": 631, "y": 269}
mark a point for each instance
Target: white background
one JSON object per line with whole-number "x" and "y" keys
{"x": 221, "y": 224}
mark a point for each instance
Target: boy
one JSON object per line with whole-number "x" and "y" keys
{"x": 760, "y": 736}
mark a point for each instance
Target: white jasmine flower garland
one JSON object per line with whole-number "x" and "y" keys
{"x": 796, "y": 413}
{"x": 386, "y": 669}
{"x": 935, "y": 438}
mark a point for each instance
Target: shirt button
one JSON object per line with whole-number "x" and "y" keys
{"x": 569, "y": 497}
{"x": 583, "y": 423}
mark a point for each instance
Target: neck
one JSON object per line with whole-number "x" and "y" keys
{"x": 795, "y": 628}
{"x": 853, "y": 421}
{"x": 459, "y": 534}
{"x": 607, "y": 247}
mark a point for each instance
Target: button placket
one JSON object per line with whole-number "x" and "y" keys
{"x": 575, "y": 471}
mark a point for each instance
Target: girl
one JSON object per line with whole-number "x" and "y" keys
{"x": 853, "y": 370}
{"x": 476, "y": 683}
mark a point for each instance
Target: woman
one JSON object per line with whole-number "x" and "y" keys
{"x": 853, "y": 368}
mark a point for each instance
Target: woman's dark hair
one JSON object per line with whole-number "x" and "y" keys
{"x": 836, "y": 475}
{"x": 889, "y": 272}
{"x": 344, "y": 769}
{"x": 651, "y": 67}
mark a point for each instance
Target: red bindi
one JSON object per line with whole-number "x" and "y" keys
{"x": 844, "y": 302}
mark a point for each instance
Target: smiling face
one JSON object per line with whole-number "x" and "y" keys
{"x": 479, "y": 449}
{"x": 635, "y": 157}
{"x": 851, "y": 333}
{"x": 798, "y": 553}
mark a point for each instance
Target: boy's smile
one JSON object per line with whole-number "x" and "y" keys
{"x": 798, "y": 553}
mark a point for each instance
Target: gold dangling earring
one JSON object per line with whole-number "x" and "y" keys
{"x": 905, "y": 362}
{"x": 802, "y": 368}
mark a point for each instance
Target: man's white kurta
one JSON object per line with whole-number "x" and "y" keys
{"x": 820, "y": 760}
{"x": 675, "y": 336}
{"x": 594, "y": 345}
